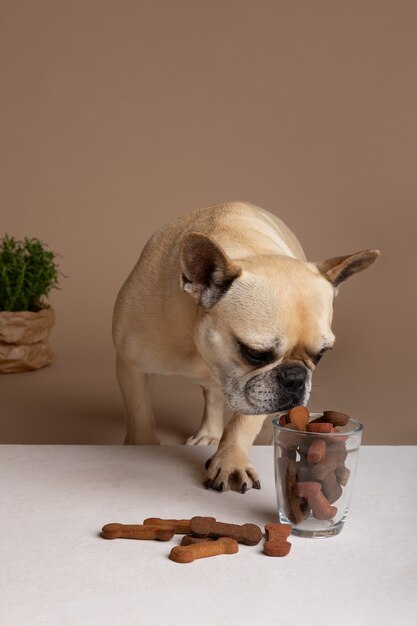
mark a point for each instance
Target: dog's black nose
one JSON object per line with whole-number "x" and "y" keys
{"x": 293, "y": 378}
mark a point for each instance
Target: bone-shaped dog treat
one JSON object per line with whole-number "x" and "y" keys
{"x": 327, "y": 465}
{"x": 249, "y": 534}
{"x": 180, "y": 526}
{"x": 331, "y": 487}
{"x": 188, "y": 540}
{"x": 320, "y": 506}
{"x": 337, "y": 449}
{"x": 298, "y": 416}
{"x": 316, "y": 451}
{"x": 283, "y": 420}
{"x": 342, "y": 474}
{"x": 303, "y": 472}
{"x": 287, "y": 469}
{"x": 319, "y": 427}
{"x": 297, "y": 508}
{"x": 276, "y": 543}
{"x": 336, "y": 418}
{"x": 338, "y": 438}
{"x": 203, "y": 549}
{"x": 137, "y": 531}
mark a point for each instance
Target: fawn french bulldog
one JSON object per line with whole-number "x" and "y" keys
{"x": 224, "y": 296}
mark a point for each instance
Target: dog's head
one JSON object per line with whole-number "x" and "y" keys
{"x": 264, "y": 322}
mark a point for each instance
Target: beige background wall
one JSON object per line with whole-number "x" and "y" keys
{"x": 118, "y": 116}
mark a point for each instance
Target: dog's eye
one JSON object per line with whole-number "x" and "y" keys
{"x": 320, "y": 354}
{"x": 255, "y": 357}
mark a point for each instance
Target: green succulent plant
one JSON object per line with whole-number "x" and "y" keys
{"x": 27, "y": 274}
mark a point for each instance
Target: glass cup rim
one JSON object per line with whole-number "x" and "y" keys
{"x": 358, "y": 427}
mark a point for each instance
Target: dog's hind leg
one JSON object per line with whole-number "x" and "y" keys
{"x": 211, "y": 427}
{"x": 135, "y": 387}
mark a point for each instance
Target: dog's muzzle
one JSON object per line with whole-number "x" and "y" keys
{"x": 278, "y": 390}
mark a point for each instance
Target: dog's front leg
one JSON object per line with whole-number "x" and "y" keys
{"x": 231, "y": 466}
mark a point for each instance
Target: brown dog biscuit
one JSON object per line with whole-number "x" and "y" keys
{"x": 327, "y": 465}
{"x": 303, "y": 472}
{"x": 277, "y": 531}
{"x": 283, "y": 420}
{"x": 316, "y": 451}
{"x": 319, "y": 504}
{"x": 188, "y": 540}
{"x": 180, "y": 526}
{"x": 331, "y": 488}
{"x": 319, "y": 427}
{"x": 297, "y": 509}
{"x": 298, "y": 417}
{"x": 336, "y": 449}
{"x": 203, "y": 549}
{"x": 342, "y": 474}
{"x": 136, "y": 531}
{"x": 249, "y": 534}
{"x": 338, "y": 437}
{"x": 336, "y": 418}
{"x": 287, "y": 469}
{"x": 276, "y": 543}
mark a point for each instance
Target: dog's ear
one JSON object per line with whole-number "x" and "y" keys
{"x": 206, "y": 270}
{"x": 339, "y": 268}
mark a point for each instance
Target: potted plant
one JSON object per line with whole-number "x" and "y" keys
{"x": 27, "y": 274}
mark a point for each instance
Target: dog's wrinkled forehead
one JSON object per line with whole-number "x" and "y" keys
{"x": 288, "y": 301}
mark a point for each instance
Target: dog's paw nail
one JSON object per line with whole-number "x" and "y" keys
{"x": 208, "y": 483}
{"x": 207, "y": 465}
{"x": 244, "y": 487}
{"x": 221, "y": 487}
{"x": 257, "y": 484}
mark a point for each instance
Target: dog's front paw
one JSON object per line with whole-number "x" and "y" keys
{"x": 231, "y": 467}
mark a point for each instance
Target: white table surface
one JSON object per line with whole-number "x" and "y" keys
{"x": 56, "y": 569}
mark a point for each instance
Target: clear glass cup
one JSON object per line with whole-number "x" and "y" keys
{"x": 314, "y": 496}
